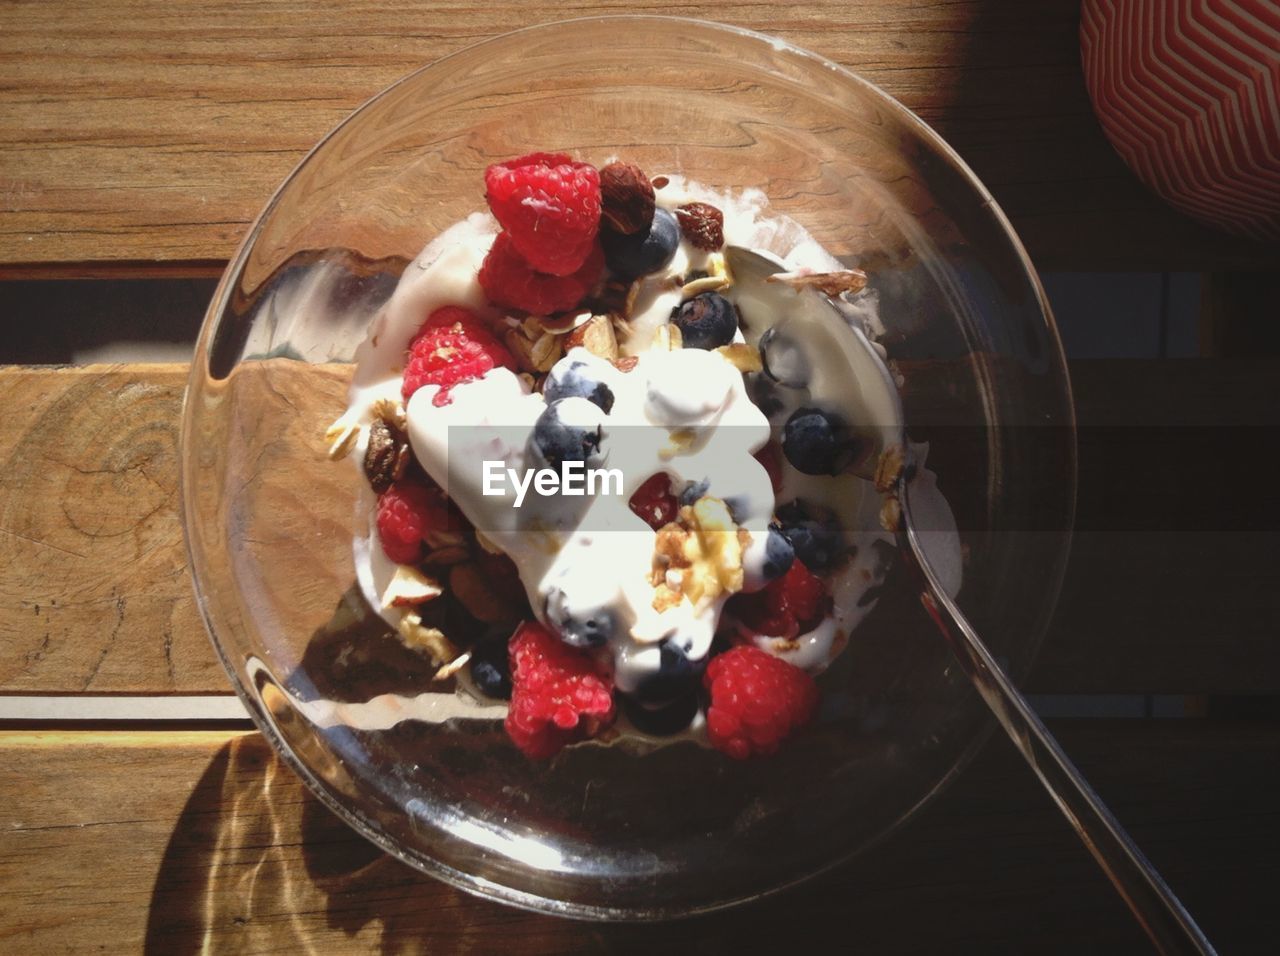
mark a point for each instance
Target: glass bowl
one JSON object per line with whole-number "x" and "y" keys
{"x": 605, "y": 832}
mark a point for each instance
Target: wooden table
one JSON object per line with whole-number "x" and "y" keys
{"x": 138, "y": 140}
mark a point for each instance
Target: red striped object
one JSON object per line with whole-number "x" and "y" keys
{"x": 1188, "y": 92}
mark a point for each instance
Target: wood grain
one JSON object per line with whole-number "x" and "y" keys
{"x": 1159, "y": 598}
{"x": 223, "y": 849}
{"x": 94, "y": 589}
{"x": 147, "y": 135}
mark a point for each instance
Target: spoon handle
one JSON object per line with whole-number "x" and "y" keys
{"x": 1153, "y": 904}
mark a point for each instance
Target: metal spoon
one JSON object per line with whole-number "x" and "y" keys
{"x": 870, "y": 391}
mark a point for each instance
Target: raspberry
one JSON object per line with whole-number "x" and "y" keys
{"x": 453, "y": 346}
{"x": 558, "y": 696}
{"x": 407, "y": 513}
{"x": 756, "y": 701}
{"x": 654, "y": 502}
{"x": 550, "y": 205}
{"x": 509, "y": 281}
{"x": 787, "y": 607}
{"x": 702, "y": 224}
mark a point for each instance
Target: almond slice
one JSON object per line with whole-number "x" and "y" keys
{"x": 409, "y": 587}
{"x": 830, "y": 283}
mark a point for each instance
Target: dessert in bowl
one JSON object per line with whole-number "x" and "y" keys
{"x": 625, "y": 815}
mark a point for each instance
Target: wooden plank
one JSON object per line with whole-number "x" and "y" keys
{"x": 1159, "y": 598}
{"x": 223, "y": 848}
{"x": 152, "y": 133}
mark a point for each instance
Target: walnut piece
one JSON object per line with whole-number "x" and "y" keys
{"x": 428, "y": 640}
{"x": 698, "y": 556}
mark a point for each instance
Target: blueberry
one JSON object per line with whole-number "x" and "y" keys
{"x": 662, "y": 720}
{"x": 565, "y": 432}
{"x": 706, "y": 321}
{"x": 764, "y": 393}
{"x": 817, "y": 442}
{"x": 491, "y": 669}
{"x": 677, "y": 675}
{"x": 783, "y": 359}
{"x": 644, "y": 252}
{"x": 574, "y": 380}
{"x": 814, "y": 536}
{"x": 577, "y": 628}
{"x": 778, "y": 554}
{"x": 693, "y": 491}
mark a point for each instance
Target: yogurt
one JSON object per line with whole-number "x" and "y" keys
{"x": 587, "y": 563}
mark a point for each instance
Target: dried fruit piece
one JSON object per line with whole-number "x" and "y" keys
{"x": 654, "y": 501}
{"x": 626, "y": 198}
{"x": 702, "y": 224}
{"x": 386, "y": 455}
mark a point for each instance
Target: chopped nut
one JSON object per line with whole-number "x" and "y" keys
{"x": 453, "y": 666}
{"x": 889, "y": 468}
{"x": 891, "y": 514}
{"x": 596, "y": 336}
{"x": 342, "y": 437}
{"x": 531, "y": 326}
{"x": 743, "y": 357}
{"x": 521, "y": 349}
{"x": 703, "y": 284}
{"x": 482, "y": 539}
{"x": 563, "y": 323}
{"x": 430, "y": 640}
{"x": 702, "y": 224}
{"x": 410, "y": 587}
{"x": 392, "y": 413}
{"x": 546, "y": 352}
{"x": 668, "y": 338}
{"x": 698, "y": 556}
{"x": 830, "y": 283}
{"x": 680, "y": 440}
{"x": 626, "y": 198}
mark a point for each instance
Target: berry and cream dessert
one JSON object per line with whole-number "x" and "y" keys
{"x": 601, "y": 479}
